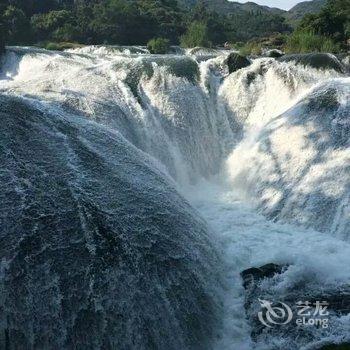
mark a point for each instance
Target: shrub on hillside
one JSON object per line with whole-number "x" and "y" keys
{"x": 251, "y": 48}
{"x": 196, "y": 35}
{"x": 306, "y": 42}
{"x": 58, "y": 46}
{"x": 158, "y": 46}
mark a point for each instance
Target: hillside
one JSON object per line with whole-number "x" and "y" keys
{"x": 303, "y": 8}
{"x": 228, "y": 7}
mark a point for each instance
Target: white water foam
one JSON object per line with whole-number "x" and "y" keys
{"x": 192, "y": 127}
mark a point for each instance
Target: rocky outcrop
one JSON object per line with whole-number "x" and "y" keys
{"x": 114, "y": 257}
{"x": 251, "y": 277}
{"x": 274, "y": 315}
{"x": 316, "y": 60}
{"x": 236, "y": 61}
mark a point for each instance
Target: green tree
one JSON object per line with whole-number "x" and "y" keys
{"x": 333, "y": 21}
{"x": 196, "y": 35}
{"x": 162, "y": 18}
{"x": 158, "y": 45}
{"x": 17, "y": 26}
{"x": 53, "y": 25}
{"x": 115, "y": 22}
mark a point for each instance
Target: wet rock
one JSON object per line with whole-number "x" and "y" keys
{"x": 344, "y": 346}
{"x": 274, "y": 53}
{"x": 326, "y": 101}
{"x": 263, "y": 303}
{"x": 113, "y": 256}
{"x": 254, "y": 275}
{"x": 236, "y": 61}
{"x": 316, "y": 60}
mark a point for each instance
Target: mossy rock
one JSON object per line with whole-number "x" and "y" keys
{"x": 236, "y": 61}
{"x": 323, "y": 61}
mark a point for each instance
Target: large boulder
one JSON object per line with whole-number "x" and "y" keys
{"x": 98, "y": 250}
{"x": 236, "y": 61}
{"x": 315, "y": 60}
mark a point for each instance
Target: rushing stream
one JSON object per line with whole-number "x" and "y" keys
{"x": 136, "y": 188}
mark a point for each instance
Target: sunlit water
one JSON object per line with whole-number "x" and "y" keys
{"x": 206, "y": 129}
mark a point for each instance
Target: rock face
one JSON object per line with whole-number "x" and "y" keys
{"x": 251, "y": 277}
{"x": 261, "y": 283}
{"x": 98, "y": 249}
{"x": 316, "y": 60}
{"x": 235, "y": 62}
{"x": 274, "y": 53}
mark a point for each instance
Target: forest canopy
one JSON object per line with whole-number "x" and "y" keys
{"x": 137, "y": 22}
{"x": 126, "y": 22}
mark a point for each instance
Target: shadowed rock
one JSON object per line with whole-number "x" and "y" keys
{"x": 98, "y": 249}
{"x": 235, "y": 62}
{"x": 316, "y": 60}
{"x": 260, "y": 285}
{"x": 274, "y": 53}
{"x": 345, "y": 346}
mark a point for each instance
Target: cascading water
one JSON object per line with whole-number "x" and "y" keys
{"x": 99, "y": 148}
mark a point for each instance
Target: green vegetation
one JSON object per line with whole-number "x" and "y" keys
{"x": 256, "y": 46}
{"x": 196, "y": 35}
{"x": 305, "y": 42}
{"x": 129, "y": 22}
{"x": 161, "y": 23}
{"x": 58, "y": 46}
{"x": 327, "y": 31}
{"x": 158, "y": 45}
{"x": 251, "y": 48}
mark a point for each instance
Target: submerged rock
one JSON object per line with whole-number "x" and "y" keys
{"x": 98, "y": 249}
{"x": 274, "y": 53}
{"x": 235, "y": 62}
{"x": 344, "y": 346}
{"x": 316, "y": 60}
{"x": 253, "y": 275}
{"x": 276, "y": 315}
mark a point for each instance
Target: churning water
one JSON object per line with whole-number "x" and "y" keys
{"x": 135, "y": 188}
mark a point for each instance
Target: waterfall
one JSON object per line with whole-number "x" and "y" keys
{"x": 137, "y": 187}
